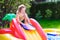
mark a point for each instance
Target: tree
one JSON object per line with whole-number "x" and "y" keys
{"x": 7, "y": 6}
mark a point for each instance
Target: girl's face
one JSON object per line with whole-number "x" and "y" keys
{"x": 23, "y": 10}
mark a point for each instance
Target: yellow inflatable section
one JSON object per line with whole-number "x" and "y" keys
{"x": 52, "y": 31}
{"x": 32, "y": 35}
{"x": 8, "y": 37}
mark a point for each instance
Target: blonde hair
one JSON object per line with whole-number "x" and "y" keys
{"x": 20, "y": 7}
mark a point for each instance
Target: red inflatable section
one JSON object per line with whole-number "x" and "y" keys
{"x": 6, "y": 30}
{"x": 14, "y": 33}
{"x": 16, "y": 30}
{"x": 39, "y": 29}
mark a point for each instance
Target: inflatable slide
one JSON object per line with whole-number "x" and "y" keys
{"x": 19, "y": 32}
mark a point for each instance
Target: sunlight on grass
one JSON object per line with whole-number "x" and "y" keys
{"x": 50, "y": 23}
{"x": 58, "y": 26}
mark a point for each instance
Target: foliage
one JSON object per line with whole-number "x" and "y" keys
{"x": 48, "y": 9}
{"x": 10, "y": 6}
{"x": 48, "y": 13}
{"x": 38, "y": 16}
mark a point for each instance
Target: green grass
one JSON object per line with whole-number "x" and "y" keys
{"x": 50, "y": 23}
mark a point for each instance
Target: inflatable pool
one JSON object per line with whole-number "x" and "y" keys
{"x": 16, "y": 31}
{"x": 53, "y": 34}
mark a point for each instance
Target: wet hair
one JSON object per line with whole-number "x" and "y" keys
{"x": 20, "y": 7}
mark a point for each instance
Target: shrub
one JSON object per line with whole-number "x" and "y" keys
{"x": 48, "y": 9}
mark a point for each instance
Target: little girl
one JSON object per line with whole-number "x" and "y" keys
{"x": 23, "y": 19}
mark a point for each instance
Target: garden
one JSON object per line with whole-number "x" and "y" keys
{"x": 45, "y": 22}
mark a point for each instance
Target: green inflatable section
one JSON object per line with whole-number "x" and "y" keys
{"x": 9, "y": 17}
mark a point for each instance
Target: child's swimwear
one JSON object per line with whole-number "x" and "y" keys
{"x": 27, "y": 28}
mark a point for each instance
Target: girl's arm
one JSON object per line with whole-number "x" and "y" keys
{"x": 27, "y": 19}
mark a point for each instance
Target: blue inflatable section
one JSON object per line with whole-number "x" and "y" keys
{"x": 53, "y": 36}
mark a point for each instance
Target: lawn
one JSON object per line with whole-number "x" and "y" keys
{"x": 50, "y": 23}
